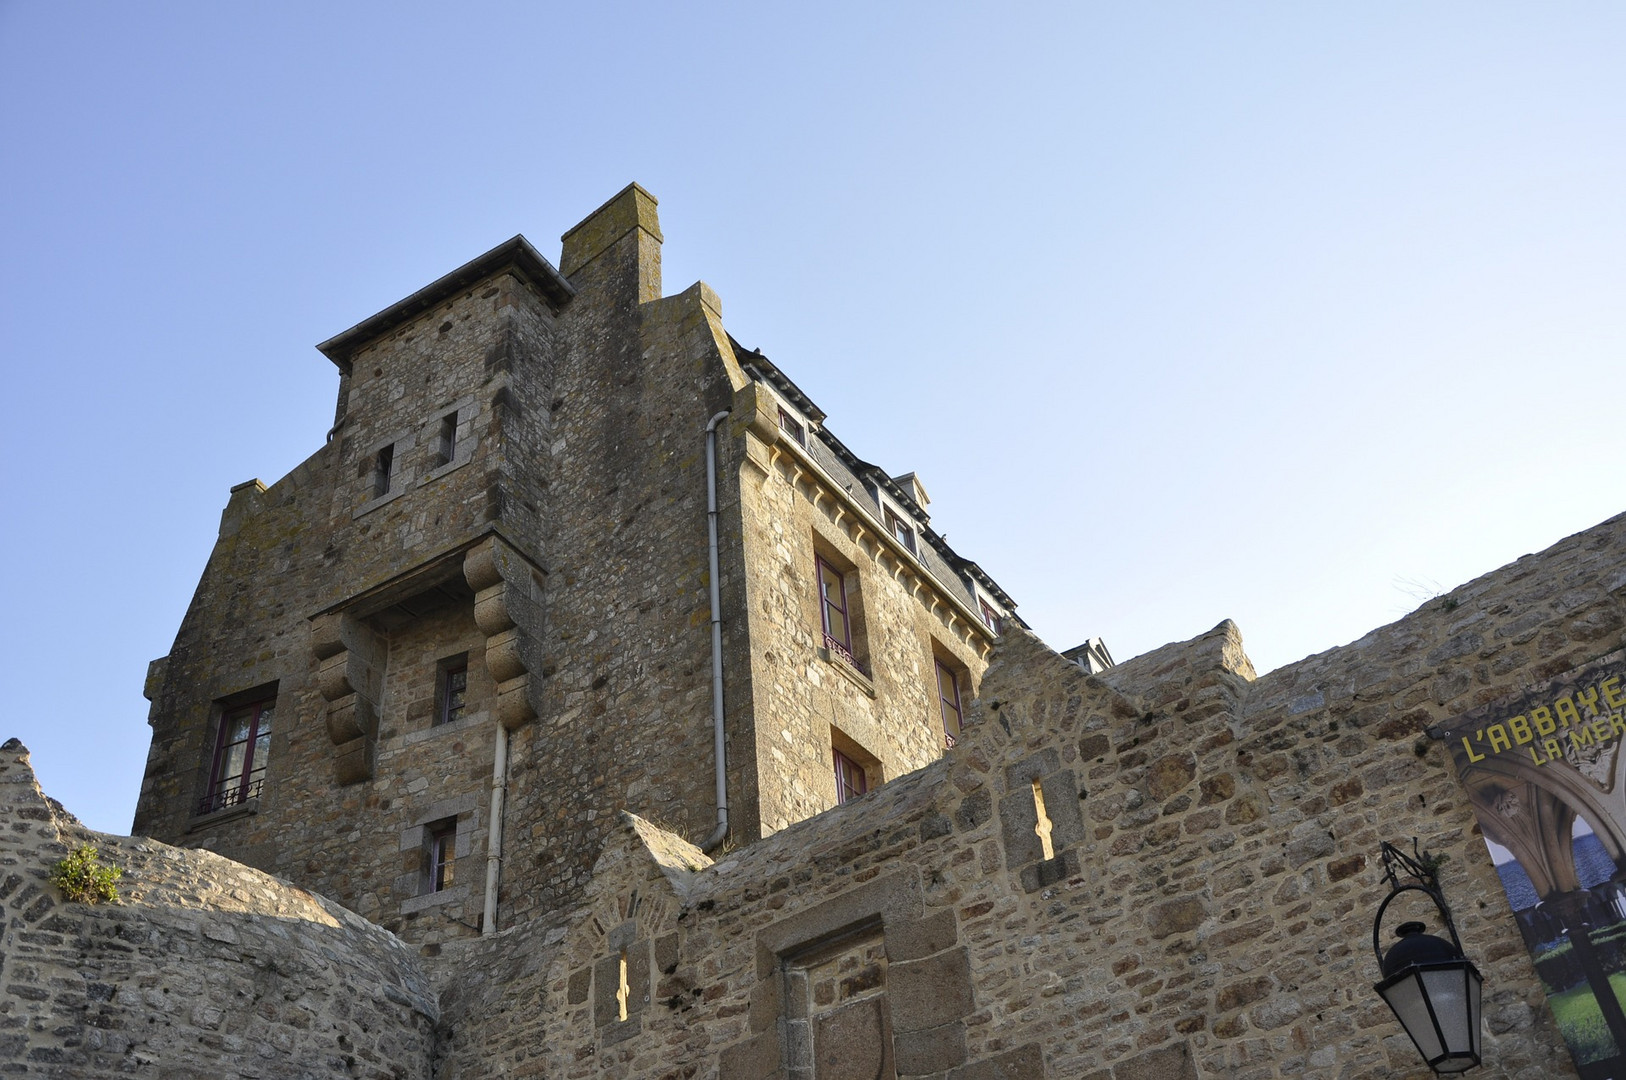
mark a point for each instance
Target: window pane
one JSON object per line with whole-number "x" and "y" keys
{"x": 835, "y": 622}
{"x": 237, "y": 725}
{"x": 850, "y": 779}
{"x": 231, "y": 764}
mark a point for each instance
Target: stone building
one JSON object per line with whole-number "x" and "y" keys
{"x": 1160, "y": 870}
{"x": 423, "y": 670}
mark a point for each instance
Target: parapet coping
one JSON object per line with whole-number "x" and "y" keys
{"x": 517, "y": 253}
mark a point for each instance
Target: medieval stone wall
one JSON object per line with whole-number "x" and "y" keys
{"x": 204, "y": 969}
{"x": 1204, "y": 908}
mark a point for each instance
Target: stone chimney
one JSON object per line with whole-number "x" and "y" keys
{"x": 619, "y": 243}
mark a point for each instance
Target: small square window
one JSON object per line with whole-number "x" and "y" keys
{"x": 453, "y": 689}
{"x": 903, "y": 532}
{"x": 440, "y": 855}
{"x": 850, "y": 779}
{"x": 446, "y": 447}
{"x": 792, "y": 427}
{"x": 383, "y": 468}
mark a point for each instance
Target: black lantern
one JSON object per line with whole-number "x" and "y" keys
{"x": 1432, "y": 987}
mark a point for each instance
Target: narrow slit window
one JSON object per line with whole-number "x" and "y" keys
{"x": 454, "y": 690}
{"x": 441, "y": 838}
{"x": 446, "y": 449}
{"x": 383, "y": 469}
{"x": 1043, "y": 826}
{"x": 623, "y": 989}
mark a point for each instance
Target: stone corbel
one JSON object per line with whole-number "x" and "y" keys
{"x": 755, "y": 415}
{"x": 350, "y": 658}
{"x": 508, "y": 612}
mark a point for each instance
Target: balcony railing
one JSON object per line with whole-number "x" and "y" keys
{"x": 838, "y": 649}
{"x": 232, "y": 796}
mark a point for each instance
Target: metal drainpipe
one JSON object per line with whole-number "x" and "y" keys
{"x": 499, "y": 784}
{"x": 719, "y": 751}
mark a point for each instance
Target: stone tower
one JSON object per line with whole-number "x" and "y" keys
{"x": 421, "y": 668}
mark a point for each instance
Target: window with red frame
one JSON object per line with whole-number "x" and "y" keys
{"x": 850, "y": 779}
{"x": 241, "y": 752}
{"x": 904, "y": 532}
{"x": 441, "y": 839}
{"x": 837, "y": 626}
{"x": 990, "y": 616}
{"x": 948, "y": 702}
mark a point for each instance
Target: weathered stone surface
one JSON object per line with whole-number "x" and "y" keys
{"x": 1168, "y": 1063}
{"x": 1169, "y": 774}
{"x": 913, "y": 939}
{"x": 931, "y": 1051}
{"x": 1175, "y": 916}
{"x": 931, "y": 992}
{"x": 203, "y": 967}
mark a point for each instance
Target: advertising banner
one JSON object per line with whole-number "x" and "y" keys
{"x": 1544, "y": 771}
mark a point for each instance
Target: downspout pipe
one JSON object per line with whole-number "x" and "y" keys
{"x": 499, "y": 786}
{"x": 719, "y": 749}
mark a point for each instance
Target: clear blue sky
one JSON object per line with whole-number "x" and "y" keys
{"x": 1281, "y": 313}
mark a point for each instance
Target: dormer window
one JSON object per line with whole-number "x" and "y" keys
{"x": 901, "y": 530}
{"x": 990, "y": 617}
{"x": 792, "y": 427}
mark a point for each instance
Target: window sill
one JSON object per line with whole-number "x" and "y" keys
{"x": 220, "y": 817}
{"x": 469, "y": 723}
{"x": 462, "y": 459}
{"x": 859, "y": 679}
{"x": 382, "y": 500}
{"x": 453, "y": 895}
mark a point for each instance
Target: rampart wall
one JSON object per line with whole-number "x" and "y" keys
{"x": 206, "y": 969}
{"x": 1205, "y": 910}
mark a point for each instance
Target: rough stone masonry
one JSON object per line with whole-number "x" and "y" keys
{"x": 1202, "y": 910}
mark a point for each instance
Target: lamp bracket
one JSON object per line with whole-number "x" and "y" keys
{"x": 1419, "y": 865}
{"x": 1412, "y": 873}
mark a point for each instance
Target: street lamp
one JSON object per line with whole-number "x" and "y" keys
{"x": 1432, "y": 987}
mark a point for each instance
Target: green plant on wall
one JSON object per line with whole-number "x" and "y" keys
{"x": 84, "y": 880}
